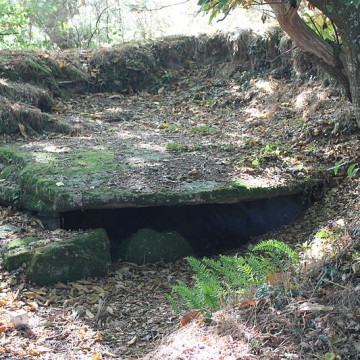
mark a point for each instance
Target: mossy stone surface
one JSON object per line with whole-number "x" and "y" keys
{"x": 83, "y": 178}
{"x": 49, "y": 262}
{"x": 79, "y": 257}
{"x": 19, "y": 251}
{"x": 150, "y": 246}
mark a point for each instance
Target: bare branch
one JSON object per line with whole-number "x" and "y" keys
{"x": 144, "y": 8}
{"x": 96, "y": 25}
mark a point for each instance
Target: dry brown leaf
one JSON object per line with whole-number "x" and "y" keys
{"x": 275, "y": 278}
{"x": 132, "y": 341}
{"x": 39, "y": 350}
{"x": 306, "y": 306}
{"x": 189, "y": 316}
{"x": 59, "y": 64}
{"x": 246, "y": 303}
{"x": 98, "y": 336}
{"x": 97, "y": 356}
{"x": 98, "y": 289}
{"x": 39, "y": 222}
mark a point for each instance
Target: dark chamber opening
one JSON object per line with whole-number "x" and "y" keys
{"x": 209, "y": 228}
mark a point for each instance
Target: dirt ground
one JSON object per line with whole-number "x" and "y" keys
{"x": 266, "y": 128}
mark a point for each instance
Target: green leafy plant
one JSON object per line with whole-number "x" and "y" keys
{"x": 202, "y": 129}
{"x": 337, "y": 166}
{"x": 352, "y": 170}
{"x": 216, "y": 281}
{"x": 168, "y": 76}
{"x": 176, "y": 147}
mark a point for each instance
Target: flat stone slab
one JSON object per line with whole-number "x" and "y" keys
{"x": 78, "y": 174}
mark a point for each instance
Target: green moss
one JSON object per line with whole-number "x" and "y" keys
{"x": 57, "y": 182}
{"x": 8, "y": 171}
{"x": 51, "y": 180}
{"x": 81, "y": 256}
{"x": 11, "y": 154}
{"x": 18, "y": 252}
{"x": 150, "y": 246}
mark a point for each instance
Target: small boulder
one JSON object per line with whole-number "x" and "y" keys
{"x": 150, "y": 246}
{"x": 18, "y": 252}
{"x": 77, "y": 257}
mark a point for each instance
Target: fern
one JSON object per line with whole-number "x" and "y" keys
{"x": 260, "y": 266}
{"x": 188, "y": 296}
{"x": 274, "y": 246}
{"x": 211, "y": 296}
{"x": 203, "y": 274}
{"x": 218, "y": 280}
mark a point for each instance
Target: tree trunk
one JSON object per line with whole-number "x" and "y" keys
{"x": 342, "y": 63}
{"x": 347, "y": 19}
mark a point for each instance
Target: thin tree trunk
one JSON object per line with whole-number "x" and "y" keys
{"x": 307, "y": 40}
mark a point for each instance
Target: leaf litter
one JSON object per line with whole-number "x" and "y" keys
{"x": 268, "y": 128}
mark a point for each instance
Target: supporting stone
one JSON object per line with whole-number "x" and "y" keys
{"x": 51, "y": 221}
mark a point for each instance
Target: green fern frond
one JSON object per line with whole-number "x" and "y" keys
{"x": 211, "y": 296}
{"x": 188, "y": 296}
{"x": 203, "y": 273}
{"x": 271, "y": 246}
{"x": 259, "y": 266}
{"x": 218, "y": 280}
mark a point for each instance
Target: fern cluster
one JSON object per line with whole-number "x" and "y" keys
{"x": 217, "y": 280}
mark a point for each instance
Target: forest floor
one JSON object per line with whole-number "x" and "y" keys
{"x": 273, "y": 128}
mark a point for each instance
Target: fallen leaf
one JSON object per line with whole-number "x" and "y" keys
{"x": 356, "y": 267}
{"x": 39, "y": 350}
{"x": 59, "y": 64}
{"x": 314, "y": 307}
{"x": 246, "y": 303}
{"x": 275, "y": 278}
{"x": 98, "y": 336}
{"x": 39, "y": 222}
{"x": 89, "y": 314}
{"x": 189, "y": 316}
{"x": 97, "y": 356}
{"x": 98, "y": 289}
{"x": 132, "y": 341}
{"x": 110, "y": 310}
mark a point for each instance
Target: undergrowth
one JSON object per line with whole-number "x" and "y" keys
{"x": 218, "y": 281}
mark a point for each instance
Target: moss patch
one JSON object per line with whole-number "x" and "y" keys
{"x": 18, "y": 252}
{"x": 150, "y": 246}
{"x": 52, "y": 260}
{"x": 51, "y": 181}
